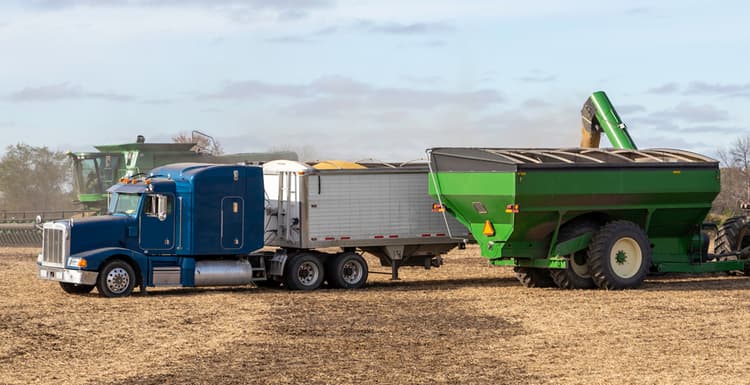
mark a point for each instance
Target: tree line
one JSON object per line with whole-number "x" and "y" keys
{"x": 37, "y": 178}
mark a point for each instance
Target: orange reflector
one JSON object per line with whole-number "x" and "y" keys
{"x": 489, "y": 230}
{"x": 511, "y": 209}
{"x": 124, "y": 180}
{"x": 148, "y": 181}
{"x": 82, "y": 263}
{"x": 437, "y": 208}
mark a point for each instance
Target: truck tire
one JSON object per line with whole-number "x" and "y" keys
{"x": 116, "y": 279}
{"x": 72, "y": 288}
{"x": 347, "y": 270}
{"x": 619, "y": 256}
{"x": 303, "y": 272}
{"x": 577, "y": 274}
{"x": 532, "y": 277}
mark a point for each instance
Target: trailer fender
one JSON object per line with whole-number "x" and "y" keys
{"x": 574, "y": 245}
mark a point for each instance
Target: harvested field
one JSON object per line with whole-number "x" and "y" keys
{"x": 465, "y": 322}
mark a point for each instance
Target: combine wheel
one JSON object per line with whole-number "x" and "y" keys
{"x": 303, "y": 272}
{"x": 347, "y": 270}
{"x": 576, "y": 275}
{"x": 116, "y": 279}
{"x": 72, "y": 288}
{"x": 531, "y": 277}
{"x": 619, "y": 256}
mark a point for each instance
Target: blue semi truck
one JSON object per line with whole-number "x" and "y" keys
{"x": 192, "y": 225}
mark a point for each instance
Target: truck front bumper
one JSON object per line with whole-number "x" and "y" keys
{"x": 78, "y": 277}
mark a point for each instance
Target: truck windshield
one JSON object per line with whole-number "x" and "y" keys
{"x": 122, "y": 203}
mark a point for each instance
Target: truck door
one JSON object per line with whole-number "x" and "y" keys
{"x": 232, "y": 222}
{"x": 157, "y": 222}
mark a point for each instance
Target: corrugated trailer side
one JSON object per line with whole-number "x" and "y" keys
{"x": 384, "y": 211}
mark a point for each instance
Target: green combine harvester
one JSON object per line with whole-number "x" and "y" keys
{"x": 586, "y": 217}
{"x": 95, "y": 172}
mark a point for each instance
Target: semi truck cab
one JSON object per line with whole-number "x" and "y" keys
{"x": 184, "y": 225}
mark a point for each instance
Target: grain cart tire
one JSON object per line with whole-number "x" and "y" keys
{"x": 532, "y": 277}
{"x": 576, "y": 275}
{"x": 619, "y": 256}
{"x": 733, "y": 235}
{"x": 303, "y": 272}
{"x": 116, "y": 279}
{"x": 347, "y": 270}
{"x": 72, "y": 288}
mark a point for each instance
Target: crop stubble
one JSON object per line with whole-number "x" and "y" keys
{"x": 464, "y": 322}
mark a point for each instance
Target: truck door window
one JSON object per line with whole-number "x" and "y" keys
{"x": 158, "y": 205}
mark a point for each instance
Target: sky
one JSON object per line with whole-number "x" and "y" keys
{"x": 370, "y": 79}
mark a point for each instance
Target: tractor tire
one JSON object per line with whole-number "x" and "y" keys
{"x": 534, "y": 278}
{"x": 733, "y": 235}
{"x": 576, "y": 275}
{"x": 116, "y": 279}
{"x": 303, "y": 272}
{"x": 347, "y": 270}
{"x": 72, "y": 288}
{"x": 619, "y": 256}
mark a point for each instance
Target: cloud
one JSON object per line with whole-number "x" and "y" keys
{"x": 394, "y": 28}
{"x": 627, "y": 109}
{"x": 703, "y": 88}
{"x": 289, "y": 39}
{"x": 252, "y": 89}
{"x": 158, "y": 102}
{"x": 693, "y": 113}
{"x": 666, "y": 88}
{"x": 702, "y": 129}
{"x": 538, "y": 78}
{"x": 296, "y": 6}
{"x": 64, "y": 91}
{"x": 329, "y": 94}
{"x": 535, "y": 103}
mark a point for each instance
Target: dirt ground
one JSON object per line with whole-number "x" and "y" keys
{"x": 465, "y": 322}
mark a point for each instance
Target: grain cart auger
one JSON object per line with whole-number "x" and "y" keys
{"x": 584, "y": 217}
{"x": 599, "y": 115}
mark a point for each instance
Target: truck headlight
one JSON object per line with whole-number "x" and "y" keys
{"x": 77, "y": 262}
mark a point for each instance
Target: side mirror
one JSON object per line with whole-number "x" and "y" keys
{"x": 162, "y": 207}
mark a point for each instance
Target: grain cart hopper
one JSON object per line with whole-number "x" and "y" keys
{"x": 581, "y": 218}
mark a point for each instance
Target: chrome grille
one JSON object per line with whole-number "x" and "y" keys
{"x": 54, "y": 245}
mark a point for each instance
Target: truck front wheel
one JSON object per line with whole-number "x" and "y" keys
{"x": 72, "y": 288}
{"x": 619, "y": 256}
{"x": 116, "y": 279}
{"x": 303, "y": 272}
{"x": 347, "y": 270}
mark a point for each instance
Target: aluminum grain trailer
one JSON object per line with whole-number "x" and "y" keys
{"x": 383, "y": 210}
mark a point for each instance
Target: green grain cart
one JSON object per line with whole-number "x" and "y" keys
{"x": 584, "y": 217}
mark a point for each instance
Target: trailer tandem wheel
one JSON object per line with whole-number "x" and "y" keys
{"x": 347, "y": 270}
{"x": 619, "y": 256}
{"x": 303, "y": 272}
{"x": 733, "y": 235}
{"x": 533, "y": 277}
{"x": 577, "y": 274}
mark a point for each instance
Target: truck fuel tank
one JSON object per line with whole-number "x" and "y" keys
{"x": 223, "y": 273}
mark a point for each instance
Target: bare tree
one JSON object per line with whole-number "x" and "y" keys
{"x": 735, "y": 177}
{"x": 203, "y": 143}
